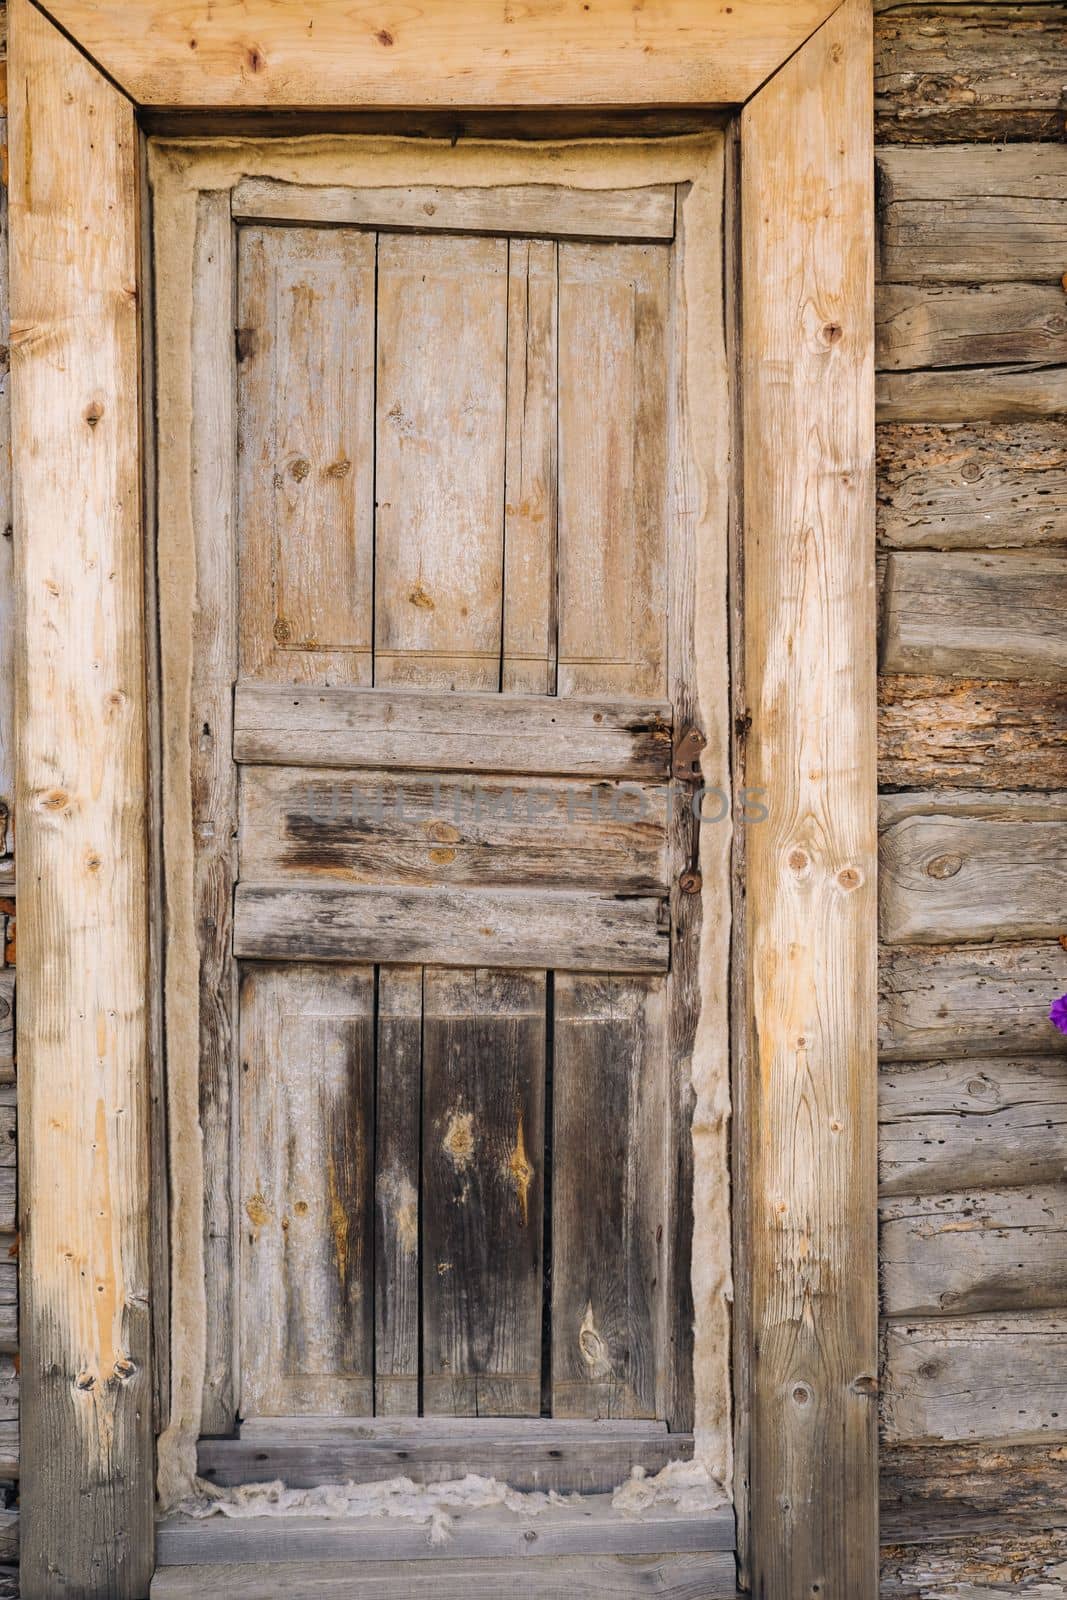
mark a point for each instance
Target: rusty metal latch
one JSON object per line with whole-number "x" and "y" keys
{"x": 685, "y": 764}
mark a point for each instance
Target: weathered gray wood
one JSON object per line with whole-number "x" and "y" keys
{"x": 483, "y": 1135}
{"x": 967, "y": 867}
{"x": 1010, "y": 1484}
{"x": 452, "y": 732}
{"x": 307, "y": 1175}
{"x": 568, "y": 1457}
{"x": 546, "y": 209}
{"x": 7, "y": 1017}
{"x": 9, "y": 1293}
{"x": 993, "y": 1377}
{"x": 972, "y": 394}
{"x": 676, "y": 1577}
{"x": 609, "y": 1196}
{"x": 9, "y": 1416}
{"x": 371, "y": 827}
{"x": 592, "y": 1527}
{"x": 993, "y": 1121}
{"x": 971, "y": 1251}
{"x": 992, "y": 1562}
{"x": 9, "y": 1536}
{"x": 398, "y": 1098}
{"x": 970, "y": 71}
{"x": 977, "y": 615}
{"x": 960, "y": 1002}
{"x": 469, "y": 927}
{"x": 963, "y": 487}
{"x": 951, "y": 731}
{"x": 949, "y": 325}
{"x": 972, "y": 213}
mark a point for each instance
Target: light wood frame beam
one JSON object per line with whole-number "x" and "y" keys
{"x": 801, "y": 70}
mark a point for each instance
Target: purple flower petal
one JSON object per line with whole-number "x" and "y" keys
{"x": 1058, "y": 1014}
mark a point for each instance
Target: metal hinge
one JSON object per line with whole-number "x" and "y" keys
{"x": 685, "y": 763}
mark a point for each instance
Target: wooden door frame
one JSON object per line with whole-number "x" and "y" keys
{"x": 81, "y": 74}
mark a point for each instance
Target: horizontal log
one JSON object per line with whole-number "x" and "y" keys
{"x": 972, "y": 614}
{"x": 971, "y": 394}
{"x": 7, "y": 1017}
{"x": 392, "y": 827}
{"x": 980, "y": 1122}
{"x": 972, "y": 213}
{"x": 961, "y": 325}
{"x": 957, "y": 865}
{"x": 960, "y": 72}
{"x": 1000, "y": 485}
{"x": 979, "y": 1378}
{"x": 1010, "y": 1483}
{"x": 974, "y": 1250}
{"x": 544, "y": 209}
{"x": 971, "y": 734}
{"x": 991, "y": 1562}
{"x": 960, "y": 1002}
{"x": 539, "y": 735}
{"x": 9, "y": 1536}
{"x": 465, "y": 928}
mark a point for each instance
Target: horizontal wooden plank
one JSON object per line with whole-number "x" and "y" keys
{"x": 587, "y": 1459}
{"x": 674, "y": 1577}
{"x": 450, "y": 1429}
{"x": 966, "y": 733}
{"x": 465, "y": 928}
{"x": 591, "y": 1527}
{"x": 993, "y": 1377}
{"x": 964, "y": 325}
{"x": 959, "y": 1002}
{"x": 7, "y": 1016}
{"x": 956, "y": 865}
{"x": 545, "y": 209}
{"x": 991, "y": 1562}
{"x": 1012, "y": 1484}
{"x": 972, "y": 394}
{"x": 962, "y": 72}
{"x": 974, "y": 1250}
{"x": 976, "y": 614}
{"x": 9, "y": 1536}
{"x": 972, "y": 213}
{"x": 989, "y": 1121}
{"x": 372, "y": 728}
{"x": 965, "y": 487}
{"x": 402, "y": 828}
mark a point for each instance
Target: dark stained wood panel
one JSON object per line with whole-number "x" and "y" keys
{"x": 397, "y": 1177}
{"x": 483, "y": 1191}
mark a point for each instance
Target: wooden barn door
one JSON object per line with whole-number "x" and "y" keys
{"x": 464, "y": 920}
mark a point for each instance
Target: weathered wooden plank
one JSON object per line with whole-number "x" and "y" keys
{"x": 1005, "y": 1483}
{"x": 483, "y": 1121}
{"x": 613, "y": 311}
{"x": 439, "y": 487}
{"x": 609, "y": 1196}
{"x": 961, "y": 866}
{"x": 973, "y": 1250}
{"x": 530, "y": 490}
{"x": 993, "y": 1562}
{"x": 967, "y": 325}
{"x": 972, "y": 394}
{"x": 7, "y": 1016}
{"x": 470, "y": 927}
{"x": 808, "y": 351}
{"x": 394, "y": 828}
{"x": 568, "y": 1457}
{"x": 993, "y": 1121}
{"x": 959, "y": 1002}
{"x": 676, "y": 1577}
{"x": 9, "y": 1536}
{"x": 972, "y": 213}
{"x": 968, "y": 72}
{"x": 83, "y": 1032}
{"x": 962, "y": 487}
{"x": 994, "y": 1377}
{"x": 593, "y": 1527}
{"x": 976, "y": 614}
{"x": 8, "y": 629}
{"x": 307, "y": 1175}
{"x": 306, "y": 521}
{"x": 398, "y": 1098}
{"x": 536, "y": 208}
{"x": 536, "y": 735}
{"x": 951, "y": 731}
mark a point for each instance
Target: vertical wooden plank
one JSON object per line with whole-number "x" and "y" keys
{"x": 398, "y": 1118}
{"x": 483, "y": 1191}
{"x": 84, "y": 1171}
{"x": 608, "y": 1195}
{"x": 306, "y": 426}
{"x": 7, "y": 552}
{"x": 442, "y": 341}
{"x": 307, "y": 1174}
{"x": 529, "y": 664}
{"x": 613, "y": 307}
{"x": 810, "y": 624}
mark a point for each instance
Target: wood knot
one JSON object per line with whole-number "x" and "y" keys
{"x": 339, "y": 468}
{"x": 832, "y": 332}
{"x": 801, "y": 1394}
{"x": 944, "y": 866}
{"x": 422, "y": 600}
{"x": 798, "y": 860}
{"x": 299, "y": 469}
{"x": 458, "y": 1142}
{"x": 850, "y": 877}
{"x": 85, "y": 1381}
{"x": 385, "y": 38}
{"x": 93, "y": 412}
